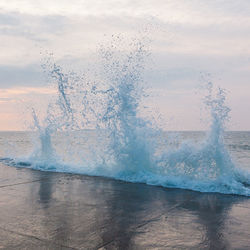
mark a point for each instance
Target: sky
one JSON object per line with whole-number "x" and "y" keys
{"x": 191, "y": 39}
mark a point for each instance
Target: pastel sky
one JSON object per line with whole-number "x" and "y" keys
{"x": 191, "y": 38}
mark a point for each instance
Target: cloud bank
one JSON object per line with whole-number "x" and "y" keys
{"x": 190, "y": 38}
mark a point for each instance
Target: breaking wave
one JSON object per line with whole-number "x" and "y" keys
{"x": 128, "y": 146}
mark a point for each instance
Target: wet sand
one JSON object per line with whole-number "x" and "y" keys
{"x": 44, "y": 210}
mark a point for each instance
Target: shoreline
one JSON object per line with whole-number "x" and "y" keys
{"x": 69, "y": 211}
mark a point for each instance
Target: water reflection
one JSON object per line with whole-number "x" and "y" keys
{"x": 96, "y": 212}
{"x": 212, "y": 214}
{"x": 135, "y": 209}
{"x": 124, "y": 203}
{"x": 57, "y": 217}
{"x": 45, "y": 189}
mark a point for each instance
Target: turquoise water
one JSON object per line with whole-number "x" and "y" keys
{"x": 123, "y": 144}
{"x": 82, "y": 151}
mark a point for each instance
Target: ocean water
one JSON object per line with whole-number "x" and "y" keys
{"x": 81, "y": 151}
{"x": 123, "y": 143}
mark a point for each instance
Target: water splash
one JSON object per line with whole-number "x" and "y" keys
{"x": 128, "y": 147}
{"x": 133, "y": 142}
{"x": 206, "y": 166}
{"x": 123, "y": 74}
{"x": 70, "y": 110}
{"x": 43, "y": 153}
{"x": 59, "y": 116}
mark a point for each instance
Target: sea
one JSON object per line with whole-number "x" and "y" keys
{"x": 186, "y": 159}
{"x": 98, "y": 124}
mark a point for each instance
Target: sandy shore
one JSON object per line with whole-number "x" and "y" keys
{"x": 44, "y": 210}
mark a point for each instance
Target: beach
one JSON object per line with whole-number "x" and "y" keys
{"x": 46, "y": 210}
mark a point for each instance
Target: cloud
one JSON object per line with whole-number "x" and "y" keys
{"x": 189, "y": 37}
{"x": 3, "y": 100}
{"x": 8, "y": 20}
{"x": 11, "y": 76}
{"x": 35, "y": 28}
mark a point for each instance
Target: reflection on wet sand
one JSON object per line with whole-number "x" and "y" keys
{"x": 45, "y": 189}
{"x": 124, "y": 214}
{"x": 60, "y": 232}
{"x": 63, "y": 211}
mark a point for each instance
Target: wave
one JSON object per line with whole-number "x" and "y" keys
{"x": 134, "y": 149}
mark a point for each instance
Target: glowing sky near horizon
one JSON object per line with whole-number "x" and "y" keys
{"x": 190, "y": 38}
